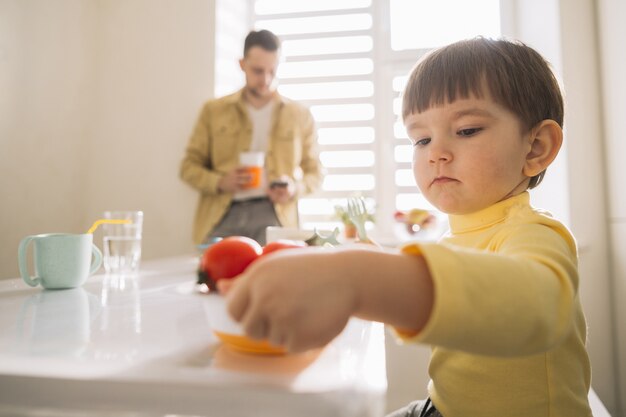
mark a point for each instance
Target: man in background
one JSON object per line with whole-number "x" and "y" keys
{"x": 254, "y": 119}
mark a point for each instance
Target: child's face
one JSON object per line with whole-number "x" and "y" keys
{"x": 468, "y": 154}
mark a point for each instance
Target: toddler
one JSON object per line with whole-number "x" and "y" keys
{"x": 497, "y": 298}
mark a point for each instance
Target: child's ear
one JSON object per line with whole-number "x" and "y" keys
{"x": 545, "y": 141}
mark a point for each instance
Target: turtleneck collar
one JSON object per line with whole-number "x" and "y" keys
{"x": 463, "y": 223}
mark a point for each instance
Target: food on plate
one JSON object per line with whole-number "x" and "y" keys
{"x": 282, "y": 244}
{"x": 228, "y": 258}
{"x": 415, "y": 219}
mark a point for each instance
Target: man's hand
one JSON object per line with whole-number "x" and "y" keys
{"x": 235, "y": 180}
{"x": 283, "y": 192}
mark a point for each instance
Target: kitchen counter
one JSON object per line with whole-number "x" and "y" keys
{"x": 142, "y": 346}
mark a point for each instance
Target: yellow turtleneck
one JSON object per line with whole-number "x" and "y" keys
{"x": 507, "y": 328}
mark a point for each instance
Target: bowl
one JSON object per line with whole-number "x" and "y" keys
{"x": 230, "y": 333}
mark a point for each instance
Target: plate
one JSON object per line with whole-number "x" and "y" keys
{"x": 245, "y": 344}
{"x": 230, "y": 333}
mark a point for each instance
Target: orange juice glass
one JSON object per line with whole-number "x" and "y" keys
{"x": 253, "y": 162}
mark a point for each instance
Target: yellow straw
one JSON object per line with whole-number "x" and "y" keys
{"x": 97, "y": 223}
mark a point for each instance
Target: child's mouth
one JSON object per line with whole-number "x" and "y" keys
{"x": 443, "y": 180}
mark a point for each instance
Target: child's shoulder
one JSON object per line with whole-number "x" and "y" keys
{"x": 524, "y": 213}
{"x": 537, "y": 224}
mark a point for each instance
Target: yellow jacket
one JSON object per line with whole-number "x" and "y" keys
{"x": 507, "y": 328}
{"x": 223, "y": 131}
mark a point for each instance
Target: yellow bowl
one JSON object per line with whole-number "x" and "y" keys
{"x": 230, "y": 332}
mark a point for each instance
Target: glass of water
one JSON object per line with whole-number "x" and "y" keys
{"x": 122, "y": 242}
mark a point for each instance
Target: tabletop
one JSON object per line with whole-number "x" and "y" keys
{"x": 141, "y": 346}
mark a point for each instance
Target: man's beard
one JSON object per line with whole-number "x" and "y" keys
{"x": 256, "y": 93}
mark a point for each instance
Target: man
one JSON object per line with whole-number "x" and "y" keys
{"x": 255, "y": 118}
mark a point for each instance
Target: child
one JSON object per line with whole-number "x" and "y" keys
{"x": 497, "y": 298}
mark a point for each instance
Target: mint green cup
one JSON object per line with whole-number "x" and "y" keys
{"x": 62, "y": 260}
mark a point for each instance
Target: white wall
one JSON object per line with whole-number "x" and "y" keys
{"x": 46, "y": 70}
{"x": 584, "y": 130}
{"x": 155, "y": 67}
{"x": 101, "y": 96}
{"x": 611, "y": 16}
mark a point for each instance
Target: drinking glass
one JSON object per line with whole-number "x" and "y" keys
{"x": 253, "y": 163}
{"x": 122, "y": 242}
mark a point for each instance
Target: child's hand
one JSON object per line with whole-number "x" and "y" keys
{"x": 296, "y": 299}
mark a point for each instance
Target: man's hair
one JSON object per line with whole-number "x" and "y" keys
{"x": 517, "y": 76}
{"x": 263, "y": 38}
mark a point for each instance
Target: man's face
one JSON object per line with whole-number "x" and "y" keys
{"x": 259, "y": 66}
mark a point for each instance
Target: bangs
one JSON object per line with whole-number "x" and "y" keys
{"x": 513, "y": 75}
{"x": 443, "y": 78}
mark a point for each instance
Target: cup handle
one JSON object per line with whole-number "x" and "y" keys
{"x": 32, "y": 281}
{"x": 97, "y": 259}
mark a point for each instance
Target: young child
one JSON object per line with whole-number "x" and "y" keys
{"x": 497, "y": 298}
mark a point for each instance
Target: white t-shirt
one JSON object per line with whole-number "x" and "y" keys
{"x": 261, "y": 119}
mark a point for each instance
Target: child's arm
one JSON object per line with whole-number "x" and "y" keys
{"x": 303, "y": 298}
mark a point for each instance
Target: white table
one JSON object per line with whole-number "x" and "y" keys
{"x": 141, "y": 346}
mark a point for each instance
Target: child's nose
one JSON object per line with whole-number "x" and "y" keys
{"x": 439, "y": 152}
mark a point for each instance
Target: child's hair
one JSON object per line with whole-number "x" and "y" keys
{"x": 517, "y": 77}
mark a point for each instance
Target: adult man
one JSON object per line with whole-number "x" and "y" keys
{"x": 255, "y": 118}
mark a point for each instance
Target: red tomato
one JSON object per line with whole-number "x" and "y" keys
{"x": 229, "y": 257}
{"x": 282, "y": 244}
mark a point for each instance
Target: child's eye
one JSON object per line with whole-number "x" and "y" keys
{"x": 469, "y": 132}
{"x": 421, "y": 142}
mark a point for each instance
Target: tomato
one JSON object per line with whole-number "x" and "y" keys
{"x": 229, "y": 257}
{"x": 282, "y": 244}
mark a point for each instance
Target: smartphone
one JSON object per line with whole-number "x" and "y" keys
{"x": 278, "y": 184}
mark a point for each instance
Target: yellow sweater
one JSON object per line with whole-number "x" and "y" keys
{"x": 507, "y": 328}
